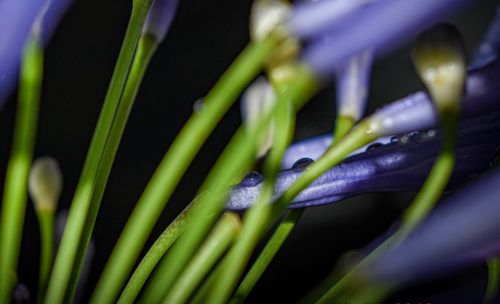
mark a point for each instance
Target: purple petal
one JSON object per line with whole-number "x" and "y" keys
{"x": 380, "y": 26}
{"x": 16, "y": 19}
{"x": 401, "y": 165}
{"x": 159, "y": 18}
{"x": 468, "y": 221}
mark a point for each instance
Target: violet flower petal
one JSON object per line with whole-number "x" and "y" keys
{"x": 379, "y": 26}
{"x": 16, "y": 19}
{"x": 466, "y": 222}
{"x": 401, "y": 165}
{"x": 160, "y": 16}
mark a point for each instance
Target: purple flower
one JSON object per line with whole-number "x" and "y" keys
{"x": 365, "y": 25}
{"x": 159, "y": 18}
{"x": 18, "y": 19}
{"x": 464, "y": 228}
{"x": 397, "y": 164}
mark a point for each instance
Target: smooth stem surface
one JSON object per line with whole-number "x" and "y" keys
{"x": 493, "y": 280}
{"x": 355, "y": 139}
{"x": 146, "y": 47}
{"x": 153, "y": 256}
{"x": 16, "y": 179}
{"x": 256, "y": 218}
{"x": 177, "y": 160}
{"x": 438, "y": 178}
{"x": 266, "y": 256}
{"x": 211, "y": 250}
{"x": 80, "y": 206}
{"x": 426, "y": 198}
{"x": 46, "y": 224}
{"x": 342, "y": 125}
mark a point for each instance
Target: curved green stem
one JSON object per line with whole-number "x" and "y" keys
{"x": 267, "y": 254}
{"x": 46, "y": 224}
{"x": 81, "y": 204}
{"x": 493, "y": 280}
{"x": 16, "y": 180}
{"x": 153, "y": 256}
{"x": 146, "y": 48}
{"x": 256, "y": 219}
{"x": 212, "y": 249}
{"x": 343, "y": 125}
{"x": 176, "y": 162}
{"x": 426, "y": 198}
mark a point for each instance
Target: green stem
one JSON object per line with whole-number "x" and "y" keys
{"x": 175, "y": 163}
{"x": 46, "y": 224}
{"x": 212, "y": 249}
{"x": 153, "y": 256}
{"x": 267, "y": 254}
{"x": 438, "y": 178}
{"x": 233, "y": 163}
{"x": 202, "y": 293}
{"x": 16, "y": 180}
{"x": 426, "y": 198}
{"x": 493, "y": 280}
{"x": 343, "y": 125}
{"x": 146, "y": 47}
{"x": 256, "y": 218}
{"x": 80, "y": 207}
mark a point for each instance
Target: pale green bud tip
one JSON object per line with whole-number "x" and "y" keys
{"x": 267, "y": 16}
{"x": 45, "y": 183}
{"x": 439, "y": 58}
{"x": 256, "y": 102}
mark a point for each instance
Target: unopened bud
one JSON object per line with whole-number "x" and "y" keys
{"x": 439, "y": 58}
{"x": 45, "y": 184}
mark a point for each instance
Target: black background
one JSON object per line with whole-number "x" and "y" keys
{"x": 204, "y": 38}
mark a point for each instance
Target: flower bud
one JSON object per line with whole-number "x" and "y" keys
{"x": 439, "y": 58}
{"x": 159, "y": 18}
{"x": 45, "y": 184}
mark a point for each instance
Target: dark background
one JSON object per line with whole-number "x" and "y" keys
{"x": 204, "y": 38}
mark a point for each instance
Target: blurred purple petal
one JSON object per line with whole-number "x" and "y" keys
{"x": 467, "y": 223}
{"x": 159, "y": 18}
{"x": 400, "y": 165}
{"x": 17, "y": 20}
{"x": 382, "y": 25}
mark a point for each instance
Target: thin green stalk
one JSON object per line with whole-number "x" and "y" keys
{"x": 46, "y": 224}
{"x": 493, "y": 280}
{"x": 153, "y": 256}
{"x": 74, "y": 231}
{"x": 212, "y": 249}
{"x": 234, "y": 162}
{"x": 256, "y": 219}
{"x": 202, "y": 292}
{"x": 438, "y": 178}
{"x": 267, "y": 254}
{"x": 146, "y": 48}
{"x": 16, "y": 180}
{"x": 344, "y": 124}
{"x": 423, "y": 203}
{"x": 175, "y": 163}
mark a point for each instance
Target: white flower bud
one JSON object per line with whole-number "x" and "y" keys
{"x": 45, "y": 184}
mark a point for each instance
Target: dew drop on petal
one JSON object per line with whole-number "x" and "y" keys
{"x": 302, "y": 164}
{"x": 252, "y": 179}
{"x": 374, "y": 146}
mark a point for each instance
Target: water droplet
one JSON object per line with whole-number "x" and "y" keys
{"x": 302, "y": 164}
{"x": 413, "y": 136}
{"x": 394, "y": 139}
{"x": 374, "y": 146}
{"x": 198, "y": 105}
{"x": 252, "y": 179}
